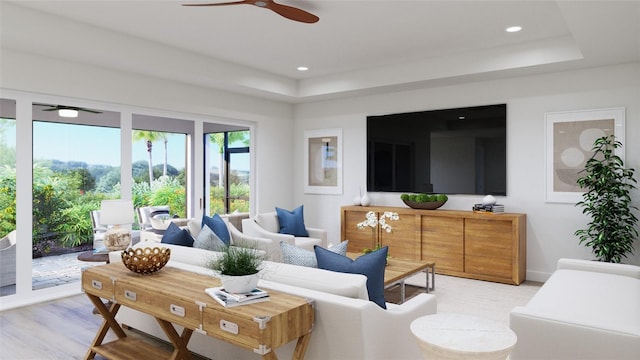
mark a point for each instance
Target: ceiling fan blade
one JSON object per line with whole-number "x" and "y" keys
{"x": 90, "y": 111}
{"x": 286, "y": 11}
{"x": 292, "y": 13}
{"x": 223, "y": 3}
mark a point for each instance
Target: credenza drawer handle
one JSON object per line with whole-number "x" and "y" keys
{"x": 96, "y": 284}
{"x": 128, "y": 294}
{"x": 229, "y": 326}
{"x": 177, "y": 310}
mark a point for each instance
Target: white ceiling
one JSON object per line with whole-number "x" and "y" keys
{"x": 357, "y": 47}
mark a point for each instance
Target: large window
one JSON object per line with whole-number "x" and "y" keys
{"x": 8, "y": 238}
{"x": 228, "y": 171}
{"x": 75, "y": 167}
{"x": 159, "y": 180}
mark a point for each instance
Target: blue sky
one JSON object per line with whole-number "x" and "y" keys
{"x": 98, "y": 145}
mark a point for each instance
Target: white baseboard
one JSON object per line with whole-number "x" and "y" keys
{"x": 538, "y": 276}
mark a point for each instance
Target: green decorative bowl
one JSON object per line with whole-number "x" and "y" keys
{"x": 431, "y": 205}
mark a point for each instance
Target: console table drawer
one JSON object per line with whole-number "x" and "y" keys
{"x": 261, "y": 326}
{"x": 157, "y": 304}
{"x": 98, "y": 284}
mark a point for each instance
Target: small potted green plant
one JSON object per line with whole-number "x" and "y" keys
{"x": 607, "y": 183}
{"x": 238, "y": 267}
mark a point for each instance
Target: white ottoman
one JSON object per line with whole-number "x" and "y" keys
{"x": 456, "y": 336}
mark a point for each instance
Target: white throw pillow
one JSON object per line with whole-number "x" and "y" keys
{"x": 208, "y": 240}
{"x": 302, "y": 257}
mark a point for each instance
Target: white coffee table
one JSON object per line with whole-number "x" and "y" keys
{"x": 456, "y": 336}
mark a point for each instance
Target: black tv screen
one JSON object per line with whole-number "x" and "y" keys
{"x": 449, "y": 151}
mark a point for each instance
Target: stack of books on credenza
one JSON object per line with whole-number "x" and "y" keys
{"x": 492, "y": 209}
{"x": 228, "y": 299}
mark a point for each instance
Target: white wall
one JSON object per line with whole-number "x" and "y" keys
{"x": 550, "y": 227}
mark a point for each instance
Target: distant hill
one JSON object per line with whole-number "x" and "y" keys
{"x": 140, "y": 168}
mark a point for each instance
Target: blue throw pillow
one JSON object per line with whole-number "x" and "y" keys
{"x": 292, "y": 222}
{"x": 371, "y": 265}
{"x": 176, "y": 236}
{"x": 302, "y": 257}
{"x": 218, "y": 226}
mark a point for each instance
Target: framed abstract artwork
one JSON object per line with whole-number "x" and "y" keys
{"x": 569, "y": 139}
{"x": 323, "y": 161}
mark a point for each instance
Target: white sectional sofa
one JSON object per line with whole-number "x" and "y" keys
{"x": 586, "y": 310}
{"x": 347, "y": 325}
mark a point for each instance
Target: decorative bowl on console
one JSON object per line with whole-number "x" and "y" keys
{"x": 424, "y": 201}
{"x": 146, "y": 260}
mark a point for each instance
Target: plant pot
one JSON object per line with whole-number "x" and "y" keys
{"x": 239, "y": 284}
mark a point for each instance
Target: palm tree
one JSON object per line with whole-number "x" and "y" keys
{"x": 149, "y": 137}
{"x": 165, "y": 139}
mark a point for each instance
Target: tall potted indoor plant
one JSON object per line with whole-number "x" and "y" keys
{"x": 607, "y": 184}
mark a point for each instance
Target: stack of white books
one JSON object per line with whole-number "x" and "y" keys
{"x": 228, "y": 299}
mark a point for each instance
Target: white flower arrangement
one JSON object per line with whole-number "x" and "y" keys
{"x": 376, "y": 224}
{"x": 372, "y": 221}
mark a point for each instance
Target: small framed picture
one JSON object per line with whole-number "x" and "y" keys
{"x": 323, "y": 161}
{"x": 569, "y": 139}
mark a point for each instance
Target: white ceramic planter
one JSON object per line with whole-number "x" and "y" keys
{"x": 239, "y": 284}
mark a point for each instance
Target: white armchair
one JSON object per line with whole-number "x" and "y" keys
{"x": 266, "y": 226}
{"x": 8, "y": 259}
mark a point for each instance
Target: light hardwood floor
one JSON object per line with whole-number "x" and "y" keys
{"x": 60, "y": 329}
{"x": 63, "y": 329}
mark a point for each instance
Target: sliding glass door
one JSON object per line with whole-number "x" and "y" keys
{"x": 227, "y": 171}
{"x": 75, "y": 167}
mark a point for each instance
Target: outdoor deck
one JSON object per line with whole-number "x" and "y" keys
{"x": 51, "y": 271}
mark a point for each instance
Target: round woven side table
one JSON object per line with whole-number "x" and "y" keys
{"x": 455, "y": 336}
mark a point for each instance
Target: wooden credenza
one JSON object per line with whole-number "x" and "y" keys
{"x": 462, "y": 243}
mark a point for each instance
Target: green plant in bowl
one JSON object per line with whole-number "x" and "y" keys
{"x": 424, "y": 201}
{"x": 238, "y": 267}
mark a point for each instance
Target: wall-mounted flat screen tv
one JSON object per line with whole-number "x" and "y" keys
{"x": 449, "y": 151}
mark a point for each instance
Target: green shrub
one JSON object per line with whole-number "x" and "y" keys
{"x": 75, "y": 227}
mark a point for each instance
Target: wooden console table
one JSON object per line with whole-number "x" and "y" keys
{"x": 463, "y": 243}
{"x": 175, "y": 296}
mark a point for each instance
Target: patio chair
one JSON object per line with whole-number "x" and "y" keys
{"x": 98, "y": 229}
{"x": 147, "y": 229}
{"x": 8, "y": 259}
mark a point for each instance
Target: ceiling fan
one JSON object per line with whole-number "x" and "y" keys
{"x": 287, "y": 11}
{"x": 67, "y": 111}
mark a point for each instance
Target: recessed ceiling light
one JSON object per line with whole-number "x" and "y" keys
{"x": 302, "y": 68}
{"x": 512, "y": 29}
